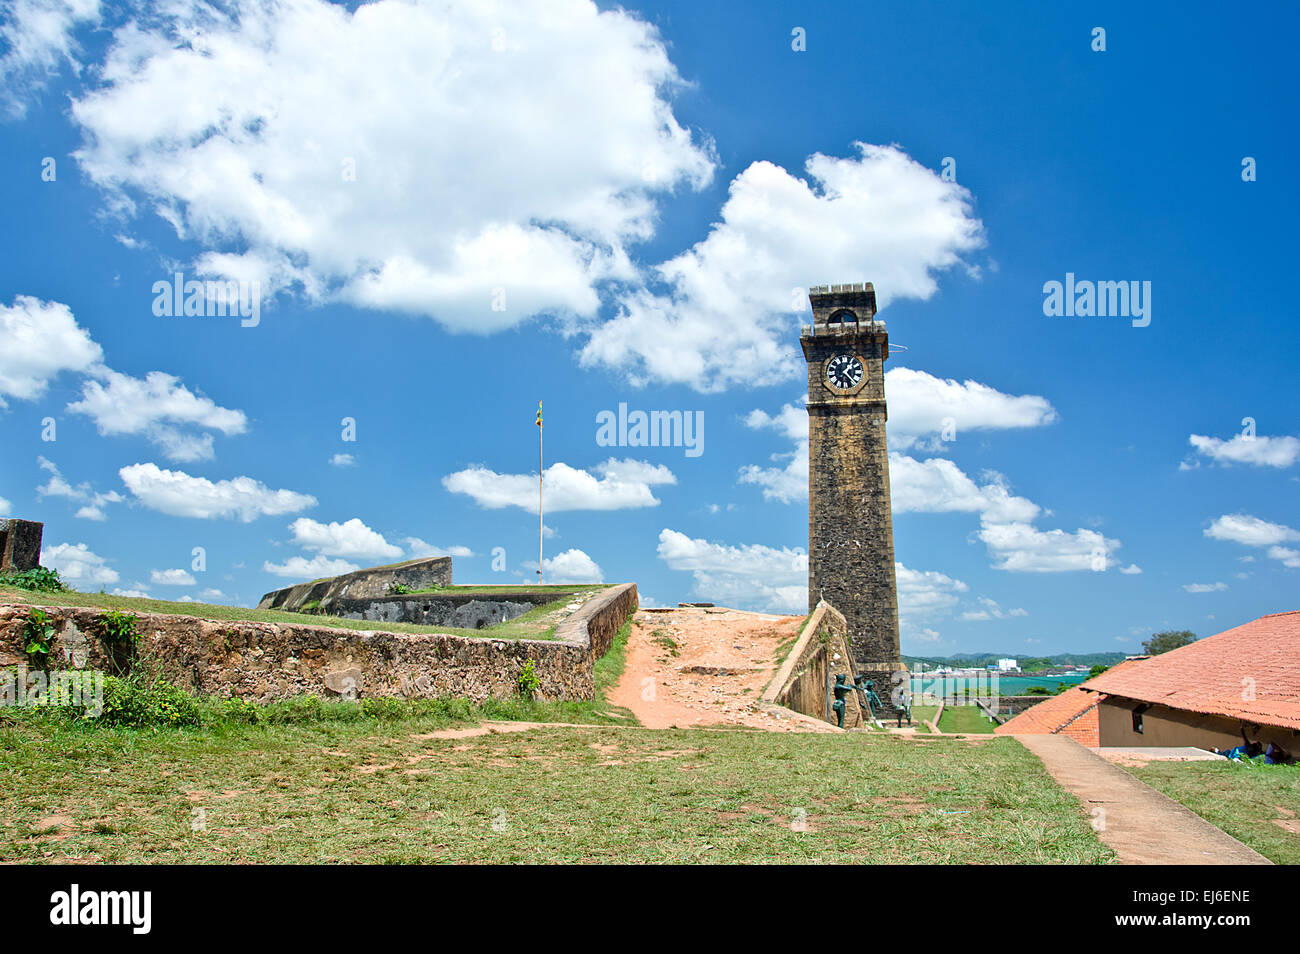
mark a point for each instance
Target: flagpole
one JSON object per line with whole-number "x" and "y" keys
{"x": 540, "y": 474}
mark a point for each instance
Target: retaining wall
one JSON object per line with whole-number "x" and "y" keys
{"x": 262, "y": 662}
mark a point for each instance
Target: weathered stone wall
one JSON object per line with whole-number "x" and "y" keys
{"x": 370, "y": 583}
{"x": 20, "y": 544}
{"x": 850, "y": 523}
{"x": 460, "y": 610}
{"x": 262, "y": 662}
{"x": 802, "y": 683}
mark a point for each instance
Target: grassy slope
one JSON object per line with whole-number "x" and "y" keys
{"x": 1243, "y": 800}
{"x": 367, "y": 791}
{"x": 531, "y": 625}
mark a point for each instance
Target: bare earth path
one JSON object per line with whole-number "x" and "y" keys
{"x": 696, "y": 666}
{"x": 1141, "y": 825}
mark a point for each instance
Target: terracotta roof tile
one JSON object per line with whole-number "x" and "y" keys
{"x": 1056, "y": 712}
{"x": 1250, "y": 672}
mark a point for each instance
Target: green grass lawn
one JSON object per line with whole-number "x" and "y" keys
{"x": 1246, "y": 801}
{"x": 964, "y": 719}
{"x": 535, "y": 624}
{"x": 376, "y": 791}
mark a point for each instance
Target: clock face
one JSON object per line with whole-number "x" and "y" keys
{"x": 844, "y": 371}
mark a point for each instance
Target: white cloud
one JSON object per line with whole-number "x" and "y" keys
{"x": 417, "y": 549}
{"x": 937, "y": 485}
{"x": 1023, "y": 548}
{"x": 38, "y": 38}
{"x": 496, "y": 144}
{"x": 990, "y": 610}
{"x": 1257, "y": 450}
{"x": 921, "y": 405}
{"x": 78, "y": 565}
{"x": 571, "y": 566}
{"x": 171, "y": 578}
{"x": 38, "y": 340}
{"x": 159, "y": 407}
{"x": 5, "y": 506}
{"x": 621, "y": 485}
{"x": 92, "y": 502}
{"x": 1290, "y": 558}
{"x": 352, "y": 538}
{"x": 138, "y": 594}
{"x": 730, "y": 304}
{"x": 300, "y": 568}
{"x": 177, "y": 493}
{"x": 342, "y": 460}
{"x": 1204, "y": 587}
{"x": 1250, "y": 531}
{"x": 925, "y": 594}
{"x": 1131, "y": 570}
{"x": 751, "y": 576}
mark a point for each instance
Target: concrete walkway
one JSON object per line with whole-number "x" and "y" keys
{"x": 1142, "y": 826}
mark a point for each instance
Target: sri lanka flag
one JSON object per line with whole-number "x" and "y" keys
{"x": 539, "y": 413}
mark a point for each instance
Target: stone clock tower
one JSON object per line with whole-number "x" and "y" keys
{"x": 850, "y": 527}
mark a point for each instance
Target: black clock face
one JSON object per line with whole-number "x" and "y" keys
{"x": 844, "y": 371}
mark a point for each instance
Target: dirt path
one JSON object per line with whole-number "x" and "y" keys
{"x": 695, "y": 666}
{"x": 1143, "y": 826}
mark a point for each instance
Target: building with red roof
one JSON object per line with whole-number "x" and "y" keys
{"x": 1073, "y": 712}
{"x": 1242, "y": 685}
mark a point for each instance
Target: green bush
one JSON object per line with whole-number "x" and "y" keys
{"x": 38, "y": 634}
{"x": 39, "y": 578}
{"x": 117, "y": 628}
{"x": 528, "y": 681}
{"x": 143, "y": 703}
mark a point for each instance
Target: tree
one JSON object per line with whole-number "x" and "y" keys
{"x": 1169, "y": 639}
{"x": 1096, "y": 671}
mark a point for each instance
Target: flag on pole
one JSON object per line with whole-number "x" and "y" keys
{"x": 539, "y": 413}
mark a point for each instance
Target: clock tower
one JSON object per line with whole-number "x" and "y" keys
{"x": 850, "y": 526}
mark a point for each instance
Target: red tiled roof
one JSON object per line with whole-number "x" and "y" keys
{"x": 1250, "y": 672}
{"x": 1055, "y": 713}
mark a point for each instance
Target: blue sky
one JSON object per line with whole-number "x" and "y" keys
{"x": 449, "y": 213}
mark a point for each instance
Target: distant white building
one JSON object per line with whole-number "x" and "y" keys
{"x": 1007, "y": 665}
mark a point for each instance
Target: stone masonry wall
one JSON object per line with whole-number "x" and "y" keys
{"x": 369, "y": 583}
{"x": 262, "y": 662}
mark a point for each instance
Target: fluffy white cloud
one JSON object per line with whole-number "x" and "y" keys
{"x": 1250, "y": 531}
{"x": 925, "y": 594}
{"x": 318, "y": 567}
{"x": 571, "y": 566}
{"x": 342, "y": 460}
{"x": 749, "y": 576}
{"x": 614, "y": 485}
{"x": 38, "y": 340}
{"x": 136, "y": 593}
{"x": 436, "y": 158}
{"x": 417, "y": 548}
{"x": 937, "y": 485}
{"x": 179, "y": 494}
{"x": 989, "y": 610}
{"x": 159, "y": 407}
{"x": 1253, "y": 532}
{"x": 731, "y": 304}
{"x": 78, "y": 565}
{"x": 37, "y": 37}
{"x": 352, "y": 538}
{"x": 92, "y": 502}
{"x": 5, "y": 506}
{"x": 1131, "y": 570}
{"x": 921, "y": 405}
{"x": 1204, "y": 587}
{"x": 171, "y": 578}
{"x": 1024, "y": 548}
{"x": 1258, "y": 450}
